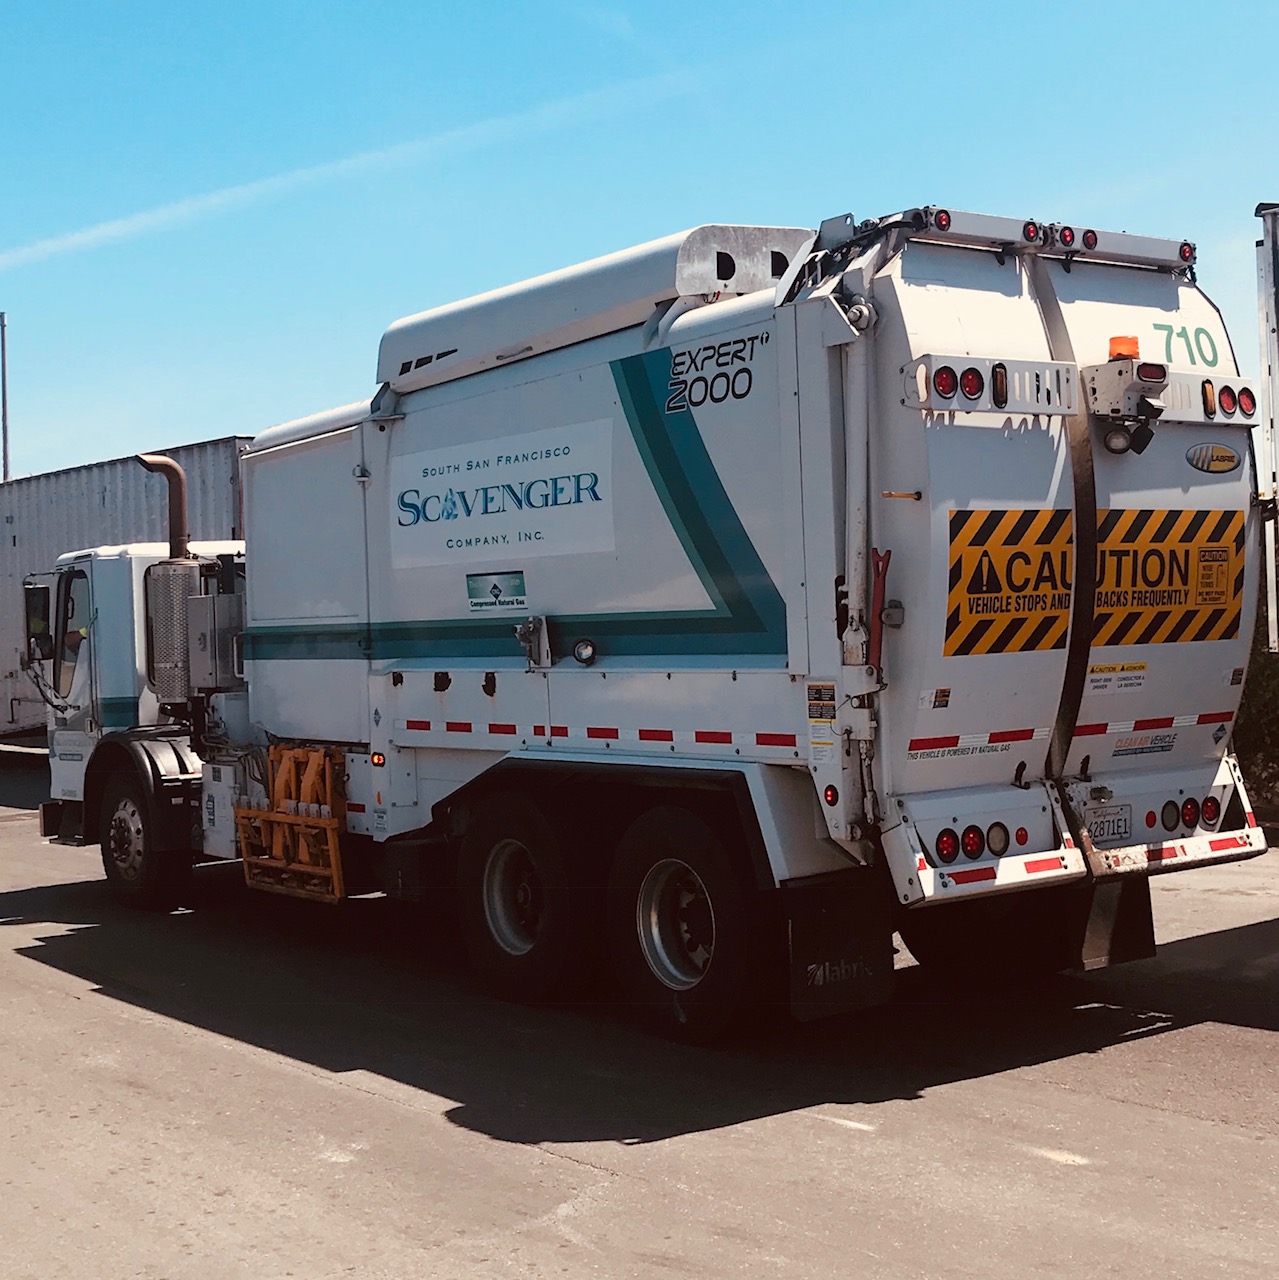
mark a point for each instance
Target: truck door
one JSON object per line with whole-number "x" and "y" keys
{"x": 75, "y": 728}
{"x": 973, "y": 500}
{"x": 1175, "y": 591}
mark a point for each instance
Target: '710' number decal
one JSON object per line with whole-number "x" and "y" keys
{"x": 1203, "y": 343}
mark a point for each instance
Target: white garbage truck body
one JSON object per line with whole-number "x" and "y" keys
{"x": 756, "y": 591}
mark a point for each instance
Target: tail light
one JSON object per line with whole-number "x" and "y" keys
{"x": 971, "y": 383}
{"x": 941, "y": 220}
{"x": 974, "y": 842}
{"x": 1067, "y": 236}
{"x": 947, "y": 845}
{"x": 999, "y": 385}
{"x": 1210, "y": 399}
{"x": 1226, "y": 401}
{"x": 1247, "y": 402}
{"x": 1170, "y": 815}
{"x": 1090, "y": 239}
{"x": 1187, "y": 251}
{"x": 945, "y": 382}
{"x": 1210, "y": 811}
{"x": 1190, "y": 811}
{"x": 1152, "y": 372}
{"x": 1030, "y": 231}
{"x": 997, "y": 839}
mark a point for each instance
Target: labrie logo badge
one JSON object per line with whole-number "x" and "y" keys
{"x": 1215, "y": 459}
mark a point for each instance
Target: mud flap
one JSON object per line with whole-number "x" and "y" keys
{"x": 840, "y": 938}
{"x": 50, "y": 818}
{"x": 1113, "y": 923}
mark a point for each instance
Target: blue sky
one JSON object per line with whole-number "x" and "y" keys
{"x": 211, "y": 213}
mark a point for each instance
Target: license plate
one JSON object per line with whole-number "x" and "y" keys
{"x": 1108, "y": 824}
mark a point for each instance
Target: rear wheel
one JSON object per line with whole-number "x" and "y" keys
{"x": 680, "y": 926}
{"x": 514, "y": 900}
{"x": 140, "y": 875}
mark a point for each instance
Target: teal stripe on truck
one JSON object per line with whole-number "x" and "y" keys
{"x": 747, "y": 616}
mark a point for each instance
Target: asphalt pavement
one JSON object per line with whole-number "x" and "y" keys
{"x": 257, "y": 1087}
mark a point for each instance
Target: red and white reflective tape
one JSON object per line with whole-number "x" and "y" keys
{"x": 1151, "y": 723}
{"x": 606, "y": 733}
{"x": 992, "y": 739}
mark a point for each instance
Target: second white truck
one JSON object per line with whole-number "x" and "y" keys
{"x": 741, "y": 598}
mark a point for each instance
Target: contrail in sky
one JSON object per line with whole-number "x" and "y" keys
{"x": 452, "y": 142}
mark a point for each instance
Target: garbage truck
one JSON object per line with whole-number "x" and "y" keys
{"x": 730, "y": 603}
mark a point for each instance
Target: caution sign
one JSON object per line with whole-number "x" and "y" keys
{"x": 1165, "y": 577}
{"x": 1010, "y": 581}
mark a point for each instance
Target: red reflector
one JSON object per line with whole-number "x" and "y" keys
{"x": 1067, "y": 236}
{"x": 941, "y": 220}
{"x": 1151, "y": 817}
{"x": 1190, "y": 811}
{"x": 971, "y": 383}
{"x": 1036, "y": 865}
{"x": 1022, "y": 836}
{"x": 1152, "y": 372}
{"x": 1226, "y": 400}
{"x": 974, "y": 873}
{"x": 1247, "y": 402}
{"x": 1187, "y": 251}
{"x": 1090, "y": 239}
{"x": 1030, "y": 231}
{"x": 831, "y": 796}
{"x": 1210, "y": 811}
{"x": 973, "y": 841}
{"x": 947, "y": 844}
{"x": 945, "y": 383}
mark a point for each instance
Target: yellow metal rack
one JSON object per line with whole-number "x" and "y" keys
{"x": 292, "y": 846}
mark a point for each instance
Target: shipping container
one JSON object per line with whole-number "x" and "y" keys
{"x": 103, "y": 503}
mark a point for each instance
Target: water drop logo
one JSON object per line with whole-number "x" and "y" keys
{"x": 448, "y": 508}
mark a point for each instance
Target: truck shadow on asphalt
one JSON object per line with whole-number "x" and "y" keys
{"x": 377, "y": 987}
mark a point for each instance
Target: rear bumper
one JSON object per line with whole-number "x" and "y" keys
{"x": 1185, "y": 848}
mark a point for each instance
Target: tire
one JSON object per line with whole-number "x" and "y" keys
{"x": 514, "y": 900}
{"x": 681, "y": 927}
{"x": 139, "y": 874}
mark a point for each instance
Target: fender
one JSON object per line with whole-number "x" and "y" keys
{"x": 170, "y": 773}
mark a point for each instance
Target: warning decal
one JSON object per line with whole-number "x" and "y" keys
{"x": 1168, "y": 576}
{"x": 1010, "y": 576}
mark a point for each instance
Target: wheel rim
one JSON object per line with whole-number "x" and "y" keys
{"x": 513, "y": 897}
{"x": 676, "y": 924}
{"x": 126, "y": 843}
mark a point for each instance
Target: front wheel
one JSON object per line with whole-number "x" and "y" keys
{"x": 140, "y": 875}
{"x": 681, "y": 926}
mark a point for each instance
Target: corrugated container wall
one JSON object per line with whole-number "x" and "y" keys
{"x": 103, "y": 504}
